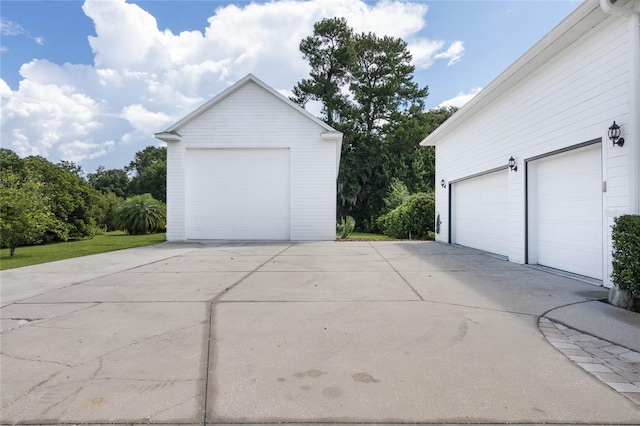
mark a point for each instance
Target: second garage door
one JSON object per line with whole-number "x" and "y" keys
{"x": 480, "y": 212}
{"x": 237, "y": 194}
{"x": 565, "y": 211}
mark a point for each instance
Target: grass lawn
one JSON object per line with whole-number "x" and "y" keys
{"x": 363, "y": 236}
{"x": 111, "y": 241}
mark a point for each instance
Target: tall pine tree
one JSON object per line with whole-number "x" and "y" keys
{"x": 367, "y": 90}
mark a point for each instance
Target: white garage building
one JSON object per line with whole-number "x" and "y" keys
{"x": 251, "y": 165}
{"x": 550, "y": 112}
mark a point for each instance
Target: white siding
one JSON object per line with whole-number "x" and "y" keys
{"x": 251, "y": 117}
{"x": 573, "y": 98}
{"x": 175, "y": 192}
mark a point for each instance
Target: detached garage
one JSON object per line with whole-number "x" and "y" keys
{"x": 530, "y": 168}
{"x": 251, "y": 165}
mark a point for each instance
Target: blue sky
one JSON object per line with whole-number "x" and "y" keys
{"x": 91, "y": 81}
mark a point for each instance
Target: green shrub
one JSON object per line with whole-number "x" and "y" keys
{"x": 141, "y": 214}
{"x": 396, "y": 194}
{"x": 413, "y": 219}
{"x": 626, "y": 253}
{"x": 105, "y": 212}
{"x": 345, "y": 227}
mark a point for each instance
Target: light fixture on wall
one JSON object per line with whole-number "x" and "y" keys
{"x": 443, "y": 183}
{"x": 512, "y": 164}
{"x": 614, "y": 135}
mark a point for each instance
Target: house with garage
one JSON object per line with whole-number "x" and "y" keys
{"x": 250, "y": 164}
{"x": 536, "y": 167}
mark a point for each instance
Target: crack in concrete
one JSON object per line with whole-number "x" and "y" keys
{"x": 107, "y": 274}
{"x": 212, "y": 353}
{"x": 71, "y": 397}
{"x": 35, "y": 360}
{"x": 25, "y": 319}
{"x": 54, "y": 375}
{"x": 185, "y": 401}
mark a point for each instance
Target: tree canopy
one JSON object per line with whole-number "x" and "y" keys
{"x": 366, "y": 87}
{"x": 149, "y": 168}
{"x": 42, "y": 201}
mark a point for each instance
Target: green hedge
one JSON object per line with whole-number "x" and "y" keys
{"x": 626, "y": 254}
{"x": 414, "y": 218}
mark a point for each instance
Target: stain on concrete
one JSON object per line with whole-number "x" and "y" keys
{"x": 97, "y": 401}
{"x": 332, "y": 392}
{"x": 310, "y": 373}
{"x": 364, "y": 378}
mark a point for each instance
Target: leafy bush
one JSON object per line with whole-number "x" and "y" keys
{"x": 414, "y": 218}
{"x": 626, "y": 254}
{"x": 105, "y": 212}
{"x": 397, "y": 193}
{"x": 345, "y": 227}
{"x": 141, "y": 214}
{"x": 25, "y": 214}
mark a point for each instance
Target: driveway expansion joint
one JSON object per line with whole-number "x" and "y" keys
{"x": 212, "y": 356}
{"x": 397, "y": 272}
{"x": 614, "y": 365}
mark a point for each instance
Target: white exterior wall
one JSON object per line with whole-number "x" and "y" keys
{"x": 573, "y": 98}
{"x": 253, "y": 118}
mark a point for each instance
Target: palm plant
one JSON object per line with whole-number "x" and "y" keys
{"x": 141, "y": 214}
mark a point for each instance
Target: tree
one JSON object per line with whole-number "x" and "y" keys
{"x": 330, "y": 54}
{"x": 72, "y": 167}
{"x": 114, "y": 181}
{"x": 71, "y": 198}
{"x": 25, "y": 213}
{"x": 106, "y": 208}
{"x": 149, "y": 168}
{"x": 141, "y": 214}
{"x": 366, "y": 87}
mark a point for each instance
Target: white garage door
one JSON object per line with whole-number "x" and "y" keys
{"x": 237, "y": 194}
{"x": 480, "y": 213}
{"x": 565, "y": 198}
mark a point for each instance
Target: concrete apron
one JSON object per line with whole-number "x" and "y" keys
{"x": 304, "y": 332}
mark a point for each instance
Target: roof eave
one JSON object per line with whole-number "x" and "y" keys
{"x": 541, "y": 52}
{"x": 232, "y": 89}
{"x": 168, "y": 136}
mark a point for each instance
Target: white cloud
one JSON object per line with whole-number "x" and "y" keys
{"x": 453, "y": 53}
{"x": 13, "y": 29}
{"x": 44, "y": 117}
{"x": 426, "y": 52}
{"x": 5, "y": 90}
{"x": 461, "y": 98}
{"x": 143, "y": 78}
{"x": 10, "y": 28}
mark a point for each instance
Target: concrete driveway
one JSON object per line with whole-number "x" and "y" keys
{"x": 338, "y": 332}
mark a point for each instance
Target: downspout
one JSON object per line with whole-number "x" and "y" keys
{"x": 633, "y": 128}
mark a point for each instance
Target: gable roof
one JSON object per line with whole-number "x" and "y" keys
{"x": 578, "y": 23}
{"x": 171, "y": 132}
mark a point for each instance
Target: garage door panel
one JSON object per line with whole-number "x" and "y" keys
{"x": 565, "y": 213}
{"x": 238, "y": 194}
{"x": 480, "y": 213}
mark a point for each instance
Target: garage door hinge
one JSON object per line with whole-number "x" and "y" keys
{"x": 604, "y": 186}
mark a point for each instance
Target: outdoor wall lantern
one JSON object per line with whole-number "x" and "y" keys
{"x": 512, "y": 164}
{"x": 614, "y": 135}
{"x": 443, "y": 183}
